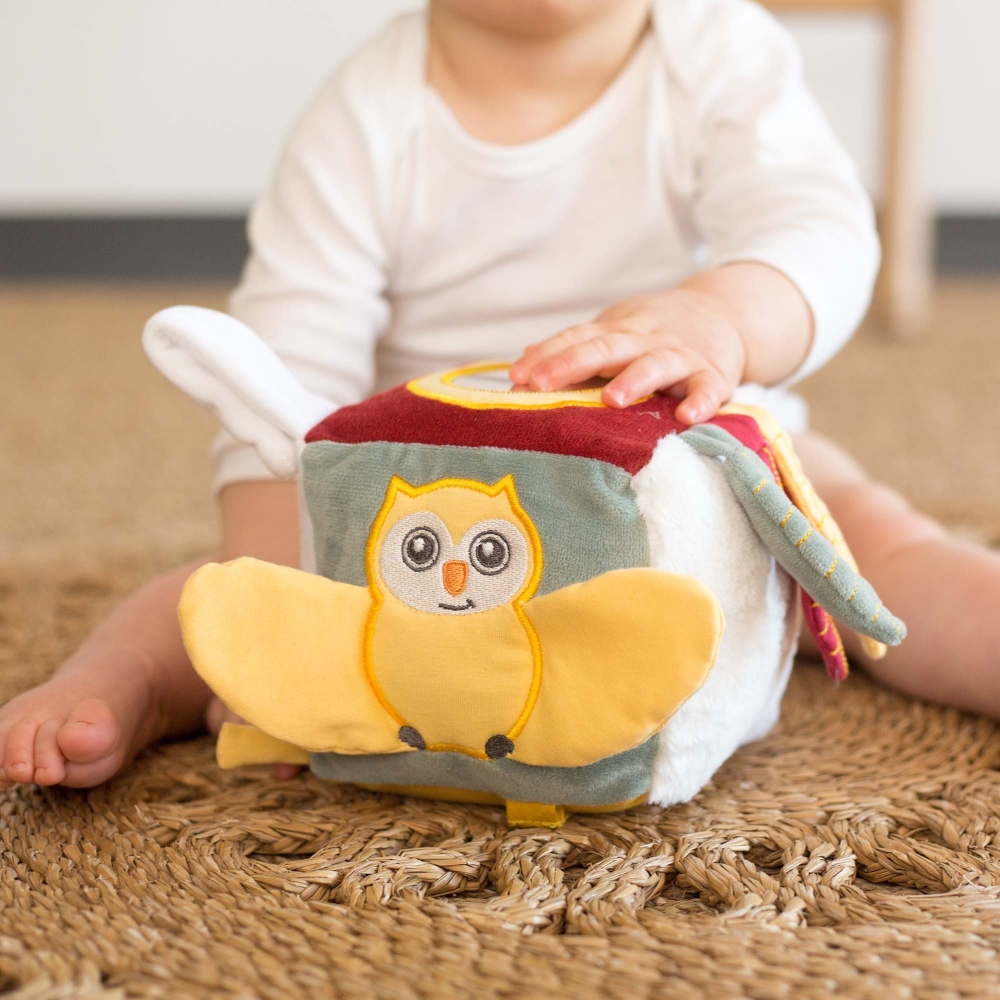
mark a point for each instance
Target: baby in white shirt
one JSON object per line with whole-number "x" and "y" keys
{"x": 641, "y": 190}
{"x": 407, "y": 231}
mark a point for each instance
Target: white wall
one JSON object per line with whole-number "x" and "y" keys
{"x": 959, "y": 94}
{"x": 181, "y": 105}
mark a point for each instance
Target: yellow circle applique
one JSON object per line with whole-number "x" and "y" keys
{"x": 441, "y": 387}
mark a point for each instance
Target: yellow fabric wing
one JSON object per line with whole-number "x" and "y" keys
{"x": 803, "y": 494}
{"x": 283, "y": 649}
{"x": 620, "y": 654}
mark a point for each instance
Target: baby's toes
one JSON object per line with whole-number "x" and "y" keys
{"x": 5, "y": 781}
{"x": 19, "y": 751}
{"x": 90, "y": 733}
{"x": 50, "y": 766}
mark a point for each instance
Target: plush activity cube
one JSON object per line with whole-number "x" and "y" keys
{"x": 517, "y": 598}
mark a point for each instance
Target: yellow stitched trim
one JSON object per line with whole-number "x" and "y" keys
{"x": 536, "y": 672}
{"x": 449, "y": 377}
{"x": 826, "y": 628}
{"x": 878, "y": 611}
{"x": 366, "y": 656}
{"x": 787, "y": 517}
{"x": 833, "y": 566}
{"x": 613, "y": 807}
{"x": 435, "y": 792}
{"x": 803, "y": 539}
{"x": 760, "y": 486}
{"x": 504, "y": 485}
{"x": 854, "y": 593}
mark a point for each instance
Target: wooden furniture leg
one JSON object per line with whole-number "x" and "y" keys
{"x": 901, "y": 296}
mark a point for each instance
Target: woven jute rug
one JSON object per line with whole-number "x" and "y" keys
{"x": 853, "y": 852}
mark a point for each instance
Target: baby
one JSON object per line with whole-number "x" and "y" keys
{"x": 640, "y": 190}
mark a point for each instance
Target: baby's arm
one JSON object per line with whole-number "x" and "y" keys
{"x": 790, "y": 231}
{"x": 740, "y": 322}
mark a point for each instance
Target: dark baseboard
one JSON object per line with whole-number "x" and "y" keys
{"x": 968, "y": 244}
{"x": 129, "y": 247}
{"x": 214, "y": 246}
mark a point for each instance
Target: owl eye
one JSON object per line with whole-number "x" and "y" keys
{"x": 421, "y": 549}
{"x": 489, "y": 553}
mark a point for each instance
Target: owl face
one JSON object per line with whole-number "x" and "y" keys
{"x": 455, "y": 547}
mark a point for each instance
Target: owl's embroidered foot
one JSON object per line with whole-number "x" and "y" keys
{"x": 499, "y": 746}
{"x": 412, "y": 738}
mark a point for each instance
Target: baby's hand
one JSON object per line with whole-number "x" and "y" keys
{"x": 681, "y": 341}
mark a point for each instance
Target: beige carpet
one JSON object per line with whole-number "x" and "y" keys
{"x": 854, "y": 852}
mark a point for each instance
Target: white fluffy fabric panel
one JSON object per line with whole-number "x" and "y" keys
{"x": 697, "y": 527}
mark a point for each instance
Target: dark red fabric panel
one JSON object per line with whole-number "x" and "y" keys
{"x": 625, "y": 438}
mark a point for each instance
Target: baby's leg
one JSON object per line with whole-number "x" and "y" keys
{"x": 131, "y": 682}
{"x": 946, "y": 590}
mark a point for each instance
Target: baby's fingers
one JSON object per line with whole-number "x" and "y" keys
{"x": 524, "y": 370}
{"x": 645, "y": 375}
{"x": 606, "y": 354}
{"x": 706, "y": 391}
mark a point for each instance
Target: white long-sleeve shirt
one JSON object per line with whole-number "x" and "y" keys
{"x": 391, "y": 243}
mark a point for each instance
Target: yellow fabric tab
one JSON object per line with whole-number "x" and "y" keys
{"x": 535, "y": 814}
{"x": 803, "y": 494}
{"x": 238, "y": 745}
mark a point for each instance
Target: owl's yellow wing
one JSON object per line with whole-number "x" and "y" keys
{"x": 283, "y": 649}
{"x": 803, "y": 494}
{"x": 620, "y": 654}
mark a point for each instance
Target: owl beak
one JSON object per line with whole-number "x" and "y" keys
{"x": 454, "y": 575}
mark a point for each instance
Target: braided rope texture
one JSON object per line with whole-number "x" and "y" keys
{"x": 854, "y": 852}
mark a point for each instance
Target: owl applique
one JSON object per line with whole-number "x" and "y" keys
{"x": 507, "y": 597}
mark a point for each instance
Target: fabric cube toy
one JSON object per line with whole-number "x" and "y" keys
{"x": 518, "y": 598}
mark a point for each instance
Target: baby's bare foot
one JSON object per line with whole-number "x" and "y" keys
{"x": 79, "y": 728}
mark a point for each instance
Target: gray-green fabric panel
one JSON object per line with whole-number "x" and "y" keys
{"x": 790, "y": 537}
{"x": 615, "y": 779}
{"x": 584, "y": 510}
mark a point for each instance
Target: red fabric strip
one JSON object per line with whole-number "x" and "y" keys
{"x": 625, "y": 438}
